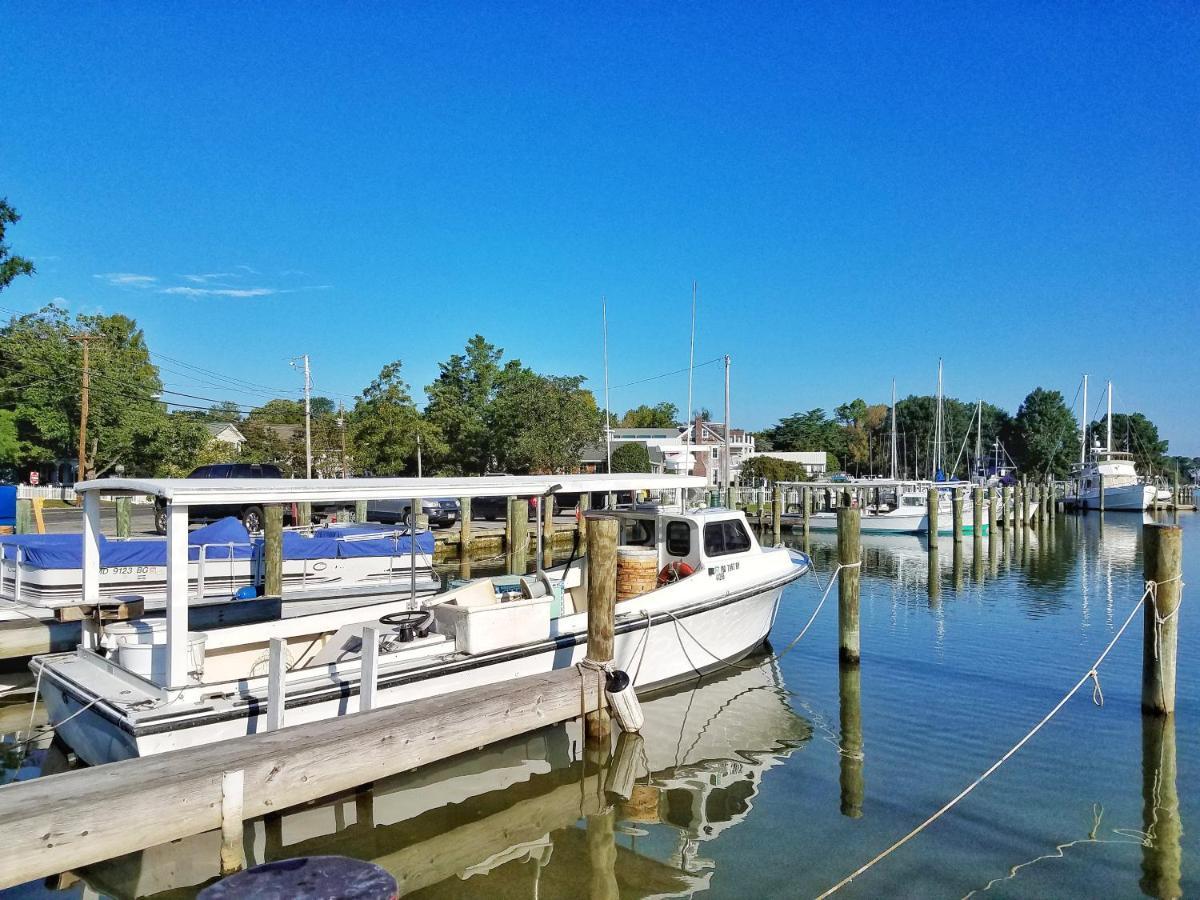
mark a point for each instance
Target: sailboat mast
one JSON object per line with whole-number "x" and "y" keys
{"x": 937, "y": 427}
{"x": 979, "y": 439}
{"x": 1108, "y": 442}
{"x": 687, "y": 444}
{"x": 1083, "y": 427}
{"x": 893, "y": 429}
{"x": 726, "y": 461}
{"x": 607, "y": 408}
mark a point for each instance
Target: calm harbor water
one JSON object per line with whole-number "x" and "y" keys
{"x": 779, "y": 777}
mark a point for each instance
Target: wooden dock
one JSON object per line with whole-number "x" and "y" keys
{"x": 60, "y": 822}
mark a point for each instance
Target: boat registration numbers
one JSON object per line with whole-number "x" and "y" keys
{"x": 126, "y": 570}
{"x": 719, "y": 572}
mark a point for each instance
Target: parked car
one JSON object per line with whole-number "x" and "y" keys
{"x": 441, "y": 512}
{"x": 250, "y": 514}
{"x": 493, "y": 508}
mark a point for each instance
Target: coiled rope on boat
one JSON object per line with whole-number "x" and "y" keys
{"x": 1151, "y": 594}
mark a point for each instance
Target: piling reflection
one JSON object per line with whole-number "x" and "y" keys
{"x": 541, "y": 814}
{"x": 1162, "y": 852}
{"x": 851, "y": 749}
{"x": 956, "y": 566}
{"x": 934, "y": 575}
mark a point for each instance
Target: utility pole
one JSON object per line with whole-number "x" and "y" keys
{"x": 728, "y": 439}
{"x": 420, "y": 471}
{"x": 84, "y": 398}
{"x": 307, "y": 415}
{"x": 342, "y": 426}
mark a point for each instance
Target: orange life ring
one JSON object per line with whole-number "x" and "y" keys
{"x": 674, "y": 571}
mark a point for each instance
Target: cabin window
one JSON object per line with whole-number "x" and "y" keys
{"x": 679, "y": 539}
{"x": 721, "y": 538}
{"x": 638, "y": 533}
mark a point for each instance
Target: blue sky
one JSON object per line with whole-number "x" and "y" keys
{"x": 858, "y": 190}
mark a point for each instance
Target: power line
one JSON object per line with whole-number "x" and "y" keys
{"x": 715, "y": 359}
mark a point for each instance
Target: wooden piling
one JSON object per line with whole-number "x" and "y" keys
{"x": 464, "y": 538}
{"x": 1006, "y": 503}
{"x": 850, "y": 757}
{"x": 520, "y": 536}
{"x": 602, "y": 601}
{"x": 273, "y": 550}
{"x": 232, "y": 799}
{"x": 360, "y": 510}
{"x": 993, "y": 513}
{"x": 931, "y": 513}
{"x": 547, "y": 532}
{"x": 1162, "y": 856}
{"x": 957, "y": 514}
{"x": 24, "y": 523}
{"x": 1162, "y": 563}
{"x": 977, "y": 533}
{"x": 304, "y": 514}
{"x": 1100, "y": 498}
{"x": 581, "y": 511}
{"x": 777, "y": 514}
{"x": 806, "y": 506}
{"x": 123, "y": 504}
{"x": 849, "y": 544}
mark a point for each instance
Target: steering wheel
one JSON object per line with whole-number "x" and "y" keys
{"x": 406, "y": 617}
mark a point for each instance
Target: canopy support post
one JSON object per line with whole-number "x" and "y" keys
{"x": 177, "y": 595}
{"x": 90, "y": 579}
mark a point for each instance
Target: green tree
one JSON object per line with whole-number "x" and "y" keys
{"x": 1043, "y": 434}
{"x": 1135, "y": 434}
{"x": 661, "y": 415}
{"x": 40, "y": 381}
{"x": 772, "y": 469}
{"x": 279, "y": 412}
{"x": 542, "y": 423}
{"x": 809, "y": 431}
{"x": 459, "y": 407}
{"x": 10, "y": 266}
{"x": 631, "y": 456}
{"x": 385, "y": 423}
{"x": 10, "y": 443}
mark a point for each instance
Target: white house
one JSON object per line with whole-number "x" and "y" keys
{"x": 226, "y": 433}
{"x": 695, "y": 449}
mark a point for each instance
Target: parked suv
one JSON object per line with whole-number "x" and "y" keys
{"x": 443, "y": 513}
{"x": 250, "y": 514}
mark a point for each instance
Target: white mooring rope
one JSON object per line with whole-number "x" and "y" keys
{"x": 1150, "y": 593}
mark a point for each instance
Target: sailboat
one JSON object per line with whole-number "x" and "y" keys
{"x": 1109, "y": 470}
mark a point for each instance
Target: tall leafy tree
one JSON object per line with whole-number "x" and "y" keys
{"x": 542, "y": 423}
{"x": 1136, "y": 434}
{"x": 1043, "y": 434}
{"x": 10, "y": 266}
{"x": 661, "y": 415}
{"x": 385, "y": 424}
{"x": 41, "y": 365}
{"x": 459, "y": 406}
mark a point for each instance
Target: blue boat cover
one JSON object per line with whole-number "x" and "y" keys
{"x": 8, "y": 504}
{"x": 65, "y": 551}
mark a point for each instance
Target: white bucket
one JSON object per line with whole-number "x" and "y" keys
{"x": 141, "y": 647}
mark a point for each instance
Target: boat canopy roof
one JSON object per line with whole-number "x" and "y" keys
{"x": 198, "y": 491}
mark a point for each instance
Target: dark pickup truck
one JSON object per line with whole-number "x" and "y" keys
{"x": 250, "y": 514}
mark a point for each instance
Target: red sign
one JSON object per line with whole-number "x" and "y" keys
{"x": 33, "y": 477}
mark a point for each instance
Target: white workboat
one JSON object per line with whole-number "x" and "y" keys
{"x": 42, "y": 573}
{"x": 1102, "y": 469}
{"x": 165, "y": 688}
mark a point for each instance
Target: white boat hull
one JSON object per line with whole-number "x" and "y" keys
{"x": 1121, "y": 498}
{"x": 679, "y": 644}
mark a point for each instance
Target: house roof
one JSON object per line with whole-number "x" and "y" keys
{"x": 216, "y": 428}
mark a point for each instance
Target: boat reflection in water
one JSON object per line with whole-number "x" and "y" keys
{"x": 536, "y": 816}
